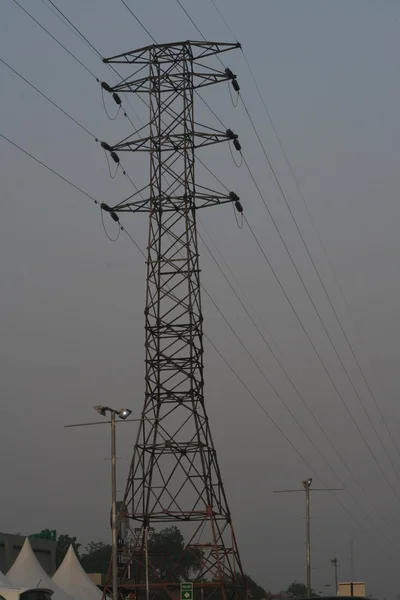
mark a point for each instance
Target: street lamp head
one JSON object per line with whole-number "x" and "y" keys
{"x": 100, "y": 409}
{"x": 124, "y": 413}
{"x": 307, "y": 482}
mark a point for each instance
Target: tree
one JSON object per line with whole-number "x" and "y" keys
{"x": 64, "y": 541}
{"x": 256, "y": 592}
{"x": 299, "y": 590}
{"x": 96, "y": 558}
{"x": 165, "y": 550}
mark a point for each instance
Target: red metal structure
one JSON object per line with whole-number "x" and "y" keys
{"x": 174, "y": 477}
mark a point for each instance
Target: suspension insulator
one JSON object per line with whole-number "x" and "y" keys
{"x": 237, "y": 145}
{"x": 235, "y": 198}
{"x": 108, "y": 209}
{"x": 231, "y": 135}
{"x": 238, "y": 206}
{"x": 106, "y": 87}
{"x": 233, "y": 79}
{"x": 106, "y": 146}
{"x": 117, "y": 99}
{"x": 115, "y": 157}
{"x": 235, "y": 85}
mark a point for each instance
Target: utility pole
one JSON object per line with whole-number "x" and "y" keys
{"x": 174, "y": 476}
{"x": 351, "y": 568}
{"x": 114, "y": 507}
{"x": 334, "y": 562}
{"x": 306, "y": 485}
{"x": 307, "y": 489}
{"x": 123, "y": 414}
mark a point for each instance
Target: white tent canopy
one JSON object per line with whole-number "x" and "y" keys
{"x": 27, "y": 572}
{"x": 71, "y": 578}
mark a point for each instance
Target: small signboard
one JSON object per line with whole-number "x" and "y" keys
{"x": 45, "y": 534}
{"x": 186, "y": 591}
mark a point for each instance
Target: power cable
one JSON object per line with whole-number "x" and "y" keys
{"x": 306, "y": 246}
{"x": 264, "y": 410}
{"x": 138, "y": 21}
{"x": 292, "y": 383}
{"x": 223, "y": 18}
{"x": 288, "y": 440}
{"x": 49, "y": 99}
{"x": 324, "y": 289}
{"x": 69, "y": 182}
{"x": 326, "y": 255}
{"x": 314, "y": 305}
{"x": 315, "y": 229}
{"x": 49, "y": 168}
{"x": 96, "y": 139}
{"x": 56, "y": 40}
{"x": 73, "y": 28}
{"x": 76, "y": 29}
{"x": 190, "y": 19}
{"x": 320, "y": 359}
{"x": 226, "y": 320}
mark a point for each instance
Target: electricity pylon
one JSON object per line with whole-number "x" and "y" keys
{"x": 174, "y": 476}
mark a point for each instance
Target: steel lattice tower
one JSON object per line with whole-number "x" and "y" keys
{"x": 174, "y": 476}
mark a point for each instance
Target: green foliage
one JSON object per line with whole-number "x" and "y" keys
{"x": 166, "y": 559}
{"x": 255, "y": 591}
{"x": 64, "y": 541}
{"x": 165, "y": 550}
{"x": 299, "y": 590}
{"x": 96, "y": 558}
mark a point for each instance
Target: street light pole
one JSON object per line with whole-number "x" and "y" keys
{"x": 307, "y": 484}
{"x": 146, "y": 549}
{"x": 122, "y": 413}
{"x": 114, "y": 508}
{"x": 306, "y": 487}
{"x": 334, "y": 561}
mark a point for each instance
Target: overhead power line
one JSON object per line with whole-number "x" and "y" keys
{"x": 138, "y": 21}
{"x": 76, "y": 29}
{"x": 294, "y": 386}
{"x": 83, "y": 38}
{"x": 49, "y": 99}
{"x": 316, "y": 231}
{"x": 190, "y": 18}
{"x": 49, "y": 169}
{"x": 321, "y": 360}
{"x": 324, "y": 289}
{"x": 56, "y": 40}
{"x": 96, "y": 139}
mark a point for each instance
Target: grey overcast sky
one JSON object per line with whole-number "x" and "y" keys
{"x": 72, "y": 324}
